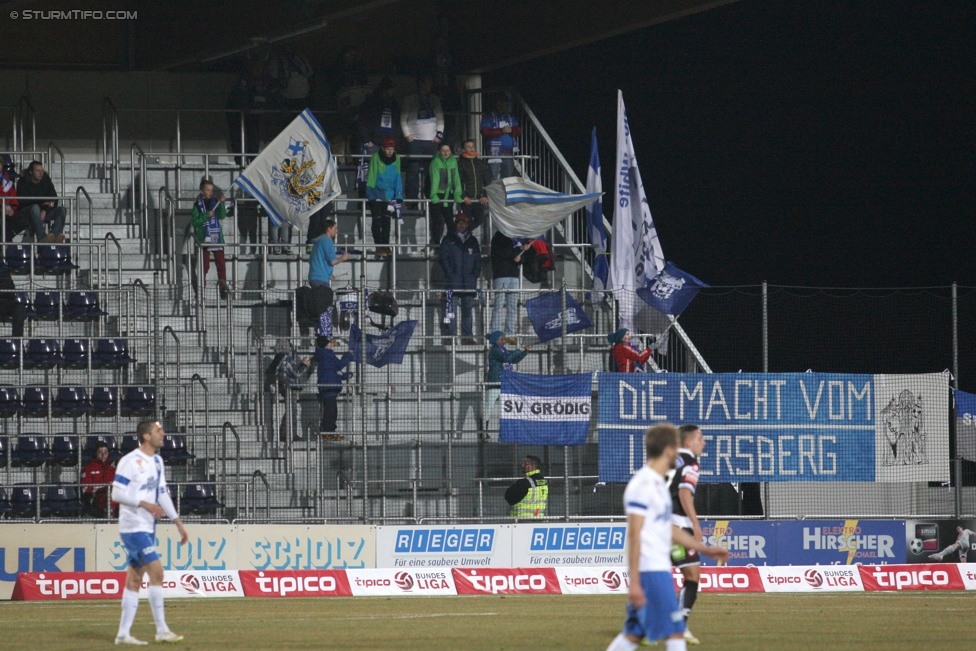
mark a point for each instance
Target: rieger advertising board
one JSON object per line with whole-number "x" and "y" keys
{"x": 559, "y": 545}
{"x": 444, "y": 547}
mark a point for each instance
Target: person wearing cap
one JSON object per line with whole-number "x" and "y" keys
{"x": 445, "y": 191}
{"x": 384, "y": 191}
{"x": 624, "y": 356}
{"x": 422, "y": 123}
{"x": 460, "y": 258}
{"x": 499, "y": 129}
{"x": 330, "y": 376}
{"x": 499, "y": 357}
{"x": 36, "y": 195}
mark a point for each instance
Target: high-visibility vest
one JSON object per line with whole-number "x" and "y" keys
{"x": 533, "y": 505}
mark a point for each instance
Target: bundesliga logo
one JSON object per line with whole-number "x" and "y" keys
{"x": 611, "y": 579}
{"x": 404, "y": 581}
{"x": 813, "y": 578}
{"x": 190, "y": 583}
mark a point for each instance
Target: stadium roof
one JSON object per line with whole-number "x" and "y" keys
{"x": 397, "y": 34}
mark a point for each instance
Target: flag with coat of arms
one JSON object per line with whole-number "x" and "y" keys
{"x": 671, "y": 291}
{"x": 295, "y": 176}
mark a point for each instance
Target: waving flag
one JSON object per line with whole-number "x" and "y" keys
{"x": 522, "y": 208}
{"x": 636, "y": 250}
{"x": 295, "y": 176}
{"x": 387, "y": 348}
{"x": 671, "y": 290}
{"x": 545, "y": 409}
{"x": 546, "y": 314}
{"x": 594, "y": 220}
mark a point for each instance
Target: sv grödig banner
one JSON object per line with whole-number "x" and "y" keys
{"x": 783, "y": 427}
{"x": 545, "y": 409}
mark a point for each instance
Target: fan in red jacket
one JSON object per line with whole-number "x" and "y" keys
{"x": 624, "y": 356}
{"x": 96, "y": 477}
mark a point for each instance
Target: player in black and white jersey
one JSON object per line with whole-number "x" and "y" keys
{"x": 682, "y": 487}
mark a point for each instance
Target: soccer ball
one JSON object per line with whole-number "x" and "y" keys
{"x": 916, "y": 546}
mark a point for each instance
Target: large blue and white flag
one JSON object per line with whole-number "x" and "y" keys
{"x": 295, "y": 176}
{"x": 521, "y": 208}
{"x": 387, "y": 348}
{"x": 636, "y": 255}
{"x": 545, "y": 409}
{"x": 594, "y": 220}
{"x": 547, "y": 315}
{"x": 671, "y": 290}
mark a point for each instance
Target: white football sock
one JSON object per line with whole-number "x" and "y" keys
{"x": 621, "y": 643}
{"x": 676, "y": 644}
{"x": 130, "y": 604}
{"x": 156, "y": 603}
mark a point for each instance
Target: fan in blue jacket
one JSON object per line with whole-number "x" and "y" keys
{"x": 330, "y": 376}
{"x": 460, "y": 258}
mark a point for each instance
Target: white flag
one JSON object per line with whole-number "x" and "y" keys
{"x": 295, "y": 176}
{"x": 636, "y": 256}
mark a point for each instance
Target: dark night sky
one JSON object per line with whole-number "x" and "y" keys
{"x": 824, "y": 144}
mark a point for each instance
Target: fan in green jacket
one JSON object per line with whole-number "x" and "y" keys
{"x": 208, "y": 212}
{"x": 445, "y": 191}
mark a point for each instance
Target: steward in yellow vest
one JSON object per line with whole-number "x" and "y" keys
{"x": 528, "y": 496}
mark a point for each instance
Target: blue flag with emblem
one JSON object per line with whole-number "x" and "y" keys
{"x": 387, "y": 348}
{"x": 671, "y": 290}
{"x": 545, "y": 313}
{"x": 545, "y": 409}
{"x": 594, "y": 220}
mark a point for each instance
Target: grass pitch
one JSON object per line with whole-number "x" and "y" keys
{"x": 756, "y": 621}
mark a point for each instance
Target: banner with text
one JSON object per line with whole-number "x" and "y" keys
{"x": 447, "y": 546}
{"x": 762, "y": 427}
{"x": 569, "y": 545}
{"x": 545, "y": 409}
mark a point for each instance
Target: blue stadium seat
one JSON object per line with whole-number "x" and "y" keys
{"x": 9, "y": 353}
{"x": 64, "y": 450}
{"x": 174, "y": 450}
{"x": 36, "y": 401}
{"x": 75, "y": 353}
{"x": 42, "y": 353}
{"x": 112, "y": 353}
{"x": 200, "y": 499}
{"x": 17, "y": 257}
{"x": 129, "y": 443}
{"x": 54, "y": 259}
{"x": 10, "y": 403}
{"x": 46, "y": 305}
{"x": 140, "y": 401}
{"x": 4, "y": 503}
{"x": 62, "y": 501}
{"x": 72, "y": 401}
{"x": 4, "y": 449}
{"x": 105, "y": 400}
{"x": 32, "y": 451}
{"x": 22, "y": 501}
{"x": 114, "y": 454}
{"x": 83, "y": 306}
{"x": 24, "y": 299}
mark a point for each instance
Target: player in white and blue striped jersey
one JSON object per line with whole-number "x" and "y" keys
{"x": 653, "y": 610}
{"x": 140, "y": 489}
